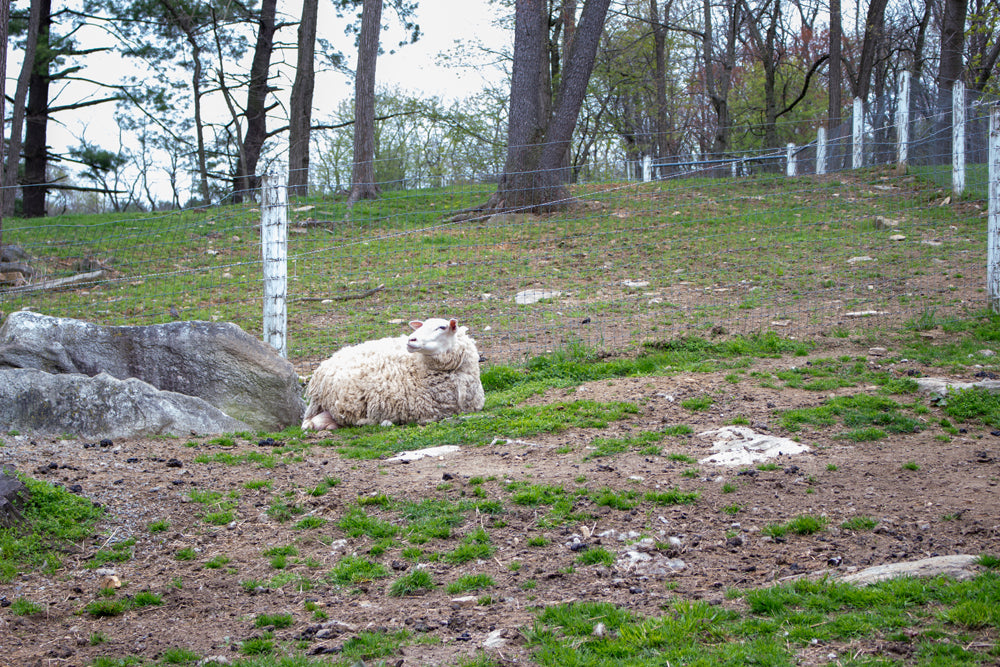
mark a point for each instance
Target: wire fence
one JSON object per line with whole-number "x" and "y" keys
{"x": 626, "y": 262}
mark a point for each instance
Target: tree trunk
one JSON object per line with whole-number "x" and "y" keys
{"x": 835, "y": 103}
{"x": 36, "y": 120}
{"x": 363, "y": 184}
{"x": 718, "y": 89}
{"x": 256, "y": 109}
{"x": 873, "y": 37}
{"x": 949, "y": 71}
{"x": 300, "y": 103}
{"x": 4, "y": 23}
{"x": 536, "y": 171}
{"x": 13, "y": 163}
{"x": 659, "y": 52}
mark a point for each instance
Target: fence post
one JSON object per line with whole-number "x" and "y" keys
{"x": 274, "y": 250}
{"x": 903, "y": 120}
{"x": 821, "y": 151}
{"x": 857, "y": 135}
{"x": 993, "y": 224}
{"x": 647, "y": 168}
{"x": 790, "y": 160}
{"x": 958, "y": 138}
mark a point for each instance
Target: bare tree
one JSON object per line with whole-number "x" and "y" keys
{"x": 256, "y": 110}
{"x": 949, "y": 69}
{"x": 300, "y": 102}
{"x": 4, "y": 24}
{"x": 719, "y": 72}
{"x": 363, "y": 185}
{"x": 9, "y": 184}
{"x": 536, "y": 171}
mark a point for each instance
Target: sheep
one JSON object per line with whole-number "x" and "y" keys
{"x": 423, "y": 377}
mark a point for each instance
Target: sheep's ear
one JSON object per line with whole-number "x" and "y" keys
{"x": 416, "y": 324}
{"x": 453, "y": 325}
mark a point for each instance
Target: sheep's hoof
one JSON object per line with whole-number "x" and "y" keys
{"x": 320, "y": 422}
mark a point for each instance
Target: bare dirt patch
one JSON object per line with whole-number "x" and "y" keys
{"x": 949, "y": 504}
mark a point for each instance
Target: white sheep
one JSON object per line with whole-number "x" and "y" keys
{"x": 423, "y": 377}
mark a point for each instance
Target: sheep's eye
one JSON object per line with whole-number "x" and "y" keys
{"x": 442, "y": 328}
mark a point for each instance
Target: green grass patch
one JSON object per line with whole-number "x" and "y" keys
{"x": 481, "y": 428}
{"x": 415, "y": 582}
{"x": 354, "y": 570}
{"x": 866, "y": 417}
{"x": 55, "y": 521}
{"x": 470, "y": 582}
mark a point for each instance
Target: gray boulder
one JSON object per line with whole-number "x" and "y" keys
{"x": 102, "y": 407}
{"x": 215, "y": 361}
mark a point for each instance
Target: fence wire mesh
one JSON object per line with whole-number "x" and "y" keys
{"x": 625, "y": 263}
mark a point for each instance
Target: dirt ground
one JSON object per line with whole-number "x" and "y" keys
{"x": 950, "y": 505}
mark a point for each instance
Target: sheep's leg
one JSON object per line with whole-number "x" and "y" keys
{"x": 323, "y": 420}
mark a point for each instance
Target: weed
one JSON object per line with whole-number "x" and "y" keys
{"x": 159, "y": 526}
{"x": 859, "y": 523}
{"x": 186, "y": 553}
{"x": 697, "y": 403}
{"x": 596, "y": 556}
{"x": 412, "y": 583}
{"x": 476, "y": 545}
{"x": 910, "y": 465}
{"x": 276, "y": 621}
{"x": 217, "y": 562}
{"x": 353, "y": 570}
{"x": 470, "y": 582}
{"x": 25, "y": 607}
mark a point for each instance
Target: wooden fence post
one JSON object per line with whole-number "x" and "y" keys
{"x": 903, "y": 120}
{"x": 858, "y": 125}
{"x": 790, "y": 160}
{"x": 958, "y": 138}
{"x": 993, "y": 208}
{"x": 821, "y": 150}
{"x": 274, "y": 250}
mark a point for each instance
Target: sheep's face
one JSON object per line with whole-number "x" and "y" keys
{"x": 432, "y": 337}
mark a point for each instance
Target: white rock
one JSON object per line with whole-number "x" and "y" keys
{"x": 417, "y": 454}
{"x": 740, "y": 445}
{"x": 494, "y": 639}
{"x": 530, "y": 296}
{"x": 958, "y": 567}
{"x": 861, "y": 258}
{"x": 635, "y": 284}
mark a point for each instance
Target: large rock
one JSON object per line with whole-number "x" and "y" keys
{"x": 102, "y": 407}
{"x": 215, "y": 361}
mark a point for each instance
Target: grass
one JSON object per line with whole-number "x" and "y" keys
{"x": 866, "y": 417}
{"x": 940, "y": 621}
{"x": 55, "y": 521}
{"x": 412, "y": 583}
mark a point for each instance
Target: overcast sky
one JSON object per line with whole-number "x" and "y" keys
{"x": 414, "y": 68}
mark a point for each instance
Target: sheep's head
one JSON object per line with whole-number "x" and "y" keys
{"x": 432, "y": 337}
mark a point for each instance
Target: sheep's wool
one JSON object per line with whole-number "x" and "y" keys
{"x": 379, "y": 381}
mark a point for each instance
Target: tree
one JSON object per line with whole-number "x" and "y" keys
{"x": 256, "y": 109}
{"x": 171, "y": 37}
{"x": 300, "y": 102}
{"x": 535, "y": 172}
{"x": 949, "y": 69}
{"x": 8, "y": 188}
{"x": 4, "y": 21}
{"x": 363, "y": 184}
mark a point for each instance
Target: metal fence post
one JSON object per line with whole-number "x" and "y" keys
{"x": 857, "y": 135}
{"x": 958, "y": 138}
{"x": 274, "y": 250}
{"x": 903, "y": 120}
